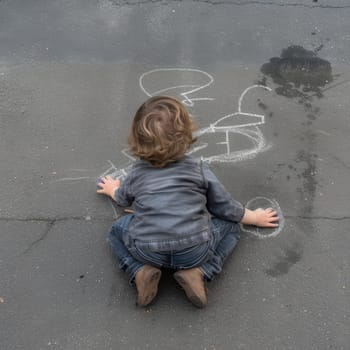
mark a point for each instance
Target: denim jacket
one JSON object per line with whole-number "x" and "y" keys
{"x": 173, "y": 205}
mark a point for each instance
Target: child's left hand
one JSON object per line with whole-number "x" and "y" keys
{"x": 266, "y": 217}
{"x": 261, "y": 217}
{"x": 108, "y": 186}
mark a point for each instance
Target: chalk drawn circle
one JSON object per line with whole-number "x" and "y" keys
{"x": 264, "y": 203}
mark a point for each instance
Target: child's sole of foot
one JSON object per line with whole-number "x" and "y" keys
{"x": 148, "y": 286}
{"x": 195, "y": 299}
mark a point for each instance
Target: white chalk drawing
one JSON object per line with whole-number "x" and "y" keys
{"x": 257, "y": 231}
{"x": 156, "y": 74}
{"x": 189, "y": 81}
{"x": 239, "y": 122}
{"x": 186, "y": 84}
{"x": 71, "y": 179}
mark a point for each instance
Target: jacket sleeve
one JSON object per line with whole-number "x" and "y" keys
{"x": 219, "y": 201}
{"x": 123, "y": 195}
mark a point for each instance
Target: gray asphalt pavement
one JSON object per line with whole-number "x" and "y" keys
{"x": 268, "y": 83}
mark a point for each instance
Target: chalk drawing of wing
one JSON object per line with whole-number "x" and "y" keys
{"x": 240, "y": 119}
{"x": 237, "y": 120}
{"x": 248, "y": 139}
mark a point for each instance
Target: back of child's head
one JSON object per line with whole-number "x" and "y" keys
{"x": 162, "y": 131}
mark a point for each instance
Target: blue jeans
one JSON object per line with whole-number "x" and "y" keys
{"x": 208, "y": 256}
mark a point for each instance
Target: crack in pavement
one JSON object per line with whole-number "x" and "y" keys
{"x": 50, "y": 224}
{"x": 341, "y": 218}
{"x": 236, "y": 3}
{"x": 53, "y": 221}
{"x": 56, "y": 219}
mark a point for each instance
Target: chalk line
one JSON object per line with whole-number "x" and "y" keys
{"x": 248, "y": 89}
{"x": 192, "y": 88}
{"x": 113, "y": 208}
{"x": 274, "y": 205}
{"x": 71, "y": 179}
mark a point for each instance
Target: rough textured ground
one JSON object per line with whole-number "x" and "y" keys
{"x": 72, "y": 73}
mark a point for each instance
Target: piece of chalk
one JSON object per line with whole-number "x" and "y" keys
{"x": 98, "y": 182}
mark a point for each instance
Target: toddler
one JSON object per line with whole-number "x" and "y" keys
{"x": 183, "y": 219}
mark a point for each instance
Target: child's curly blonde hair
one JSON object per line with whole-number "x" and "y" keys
{"x": 162, "y": 131}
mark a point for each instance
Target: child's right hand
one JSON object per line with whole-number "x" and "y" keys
{"x": 108, "y": 186}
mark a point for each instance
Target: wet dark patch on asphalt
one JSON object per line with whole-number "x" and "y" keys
{"x": 303, "y": 76}
{"x": 299, "y": 72}
{"x": 286, "y": 260}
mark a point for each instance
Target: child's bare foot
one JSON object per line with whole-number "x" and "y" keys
{"x": 146, "y": 280}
